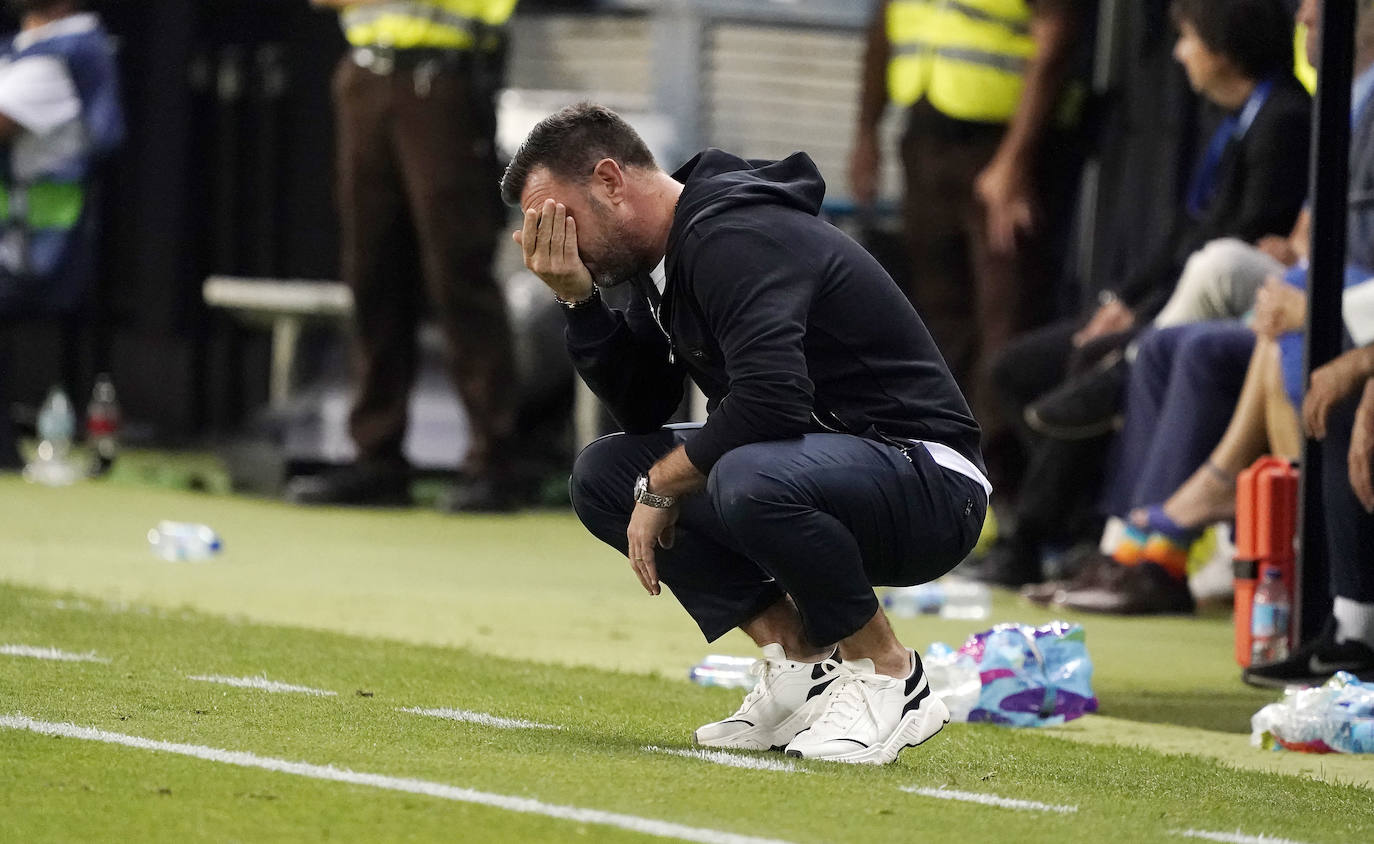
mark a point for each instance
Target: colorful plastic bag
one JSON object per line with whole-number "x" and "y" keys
{"x": 1032, "y": 676}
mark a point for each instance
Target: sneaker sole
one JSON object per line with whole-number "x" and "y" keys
{"x": 758, "y": 738}
{"x": 914, "y": 729}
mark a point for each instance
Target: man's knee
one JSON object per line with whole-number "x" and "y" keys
{"x": 741, "y": 484}
{"x": 1214, "y": 271}
{"x": 595, "y": 472}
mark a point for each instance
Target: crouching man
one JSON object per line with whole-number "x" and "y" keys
{"x": 838, "y": 453}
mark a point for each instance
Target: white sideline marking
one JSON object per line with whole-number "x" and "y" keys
{"x": 480, "y": 718}
{"x": 721, "y": 757}
{"x": 1236, "y": 837}
{"x": 647, "y": 826}
{"x": 259, "y": 683}
{"x": 989, "y": 800}
{"x": 49, "y": 653}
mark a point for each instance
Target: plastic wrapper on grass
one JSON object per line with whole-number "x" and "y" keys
{"x": 953, "y": 675}
{"x": 1336, "y": 717}
{"x": 1016, "y": 675}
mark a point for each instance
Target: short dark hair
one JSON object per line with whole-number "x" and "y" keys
{"x": 570, "y": 142}
{"x": 1255, "y": 34}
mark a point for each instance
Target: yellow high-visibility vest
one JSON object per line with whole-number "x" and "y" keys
{"x": 966, "y": 57}
{"x": 405, "y": 24}
{"x": 1302, "y": 64}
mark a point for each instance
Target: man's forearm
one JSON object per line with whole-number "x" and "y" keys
{"x": 674, "y": 475}
{"x": 1363, "y": 359}
{"x": 873, "y": 91}
{"x": 1053, "y": 31}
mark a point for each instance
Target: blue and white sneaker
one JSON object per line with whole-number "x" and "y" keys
{"x": 869, "y": 718}
{"x": 786, "y": 699}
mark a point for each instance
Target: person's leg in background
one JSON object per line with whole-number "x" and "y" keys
{"x": 1350, "y": 544}
{"x": 938, "y": 198}
{"x": 1031, "y": 513}
{"x": 373, "y": 260}
{"x": 1219, "y": 281}
{"x": 1204, "y": 383}
{"x": 1014, "y": 293}
{"x": 1183, "y": 389}
{"x": 1264, "y": 421}
{"x": 444, "y": 137}
{"x": 1146, "y": 390}
{"x": 972, "y": 299}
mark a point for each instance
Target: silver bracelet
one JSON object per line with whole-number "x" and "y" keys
{"x": 579, "y": 303}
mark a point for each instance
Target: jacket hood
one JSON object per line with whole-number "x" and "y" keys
{"x": 715, "y": 181}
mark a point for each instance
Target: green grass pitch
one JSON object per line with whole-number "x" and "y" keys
{"x": 525, "y": 617}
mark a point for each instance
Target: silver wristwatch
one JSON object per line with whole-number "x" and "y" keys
{"x": 649, "y": 499}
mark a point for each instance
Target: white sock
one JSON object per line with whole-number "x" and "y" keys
{"x": 1354, "y": 620}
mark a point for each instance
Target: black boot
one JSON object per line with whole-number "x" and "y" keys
{"x": 369, "y": 484}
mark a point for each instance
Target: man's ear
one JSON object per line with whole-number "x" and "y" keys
{"x": 609, "y": 180}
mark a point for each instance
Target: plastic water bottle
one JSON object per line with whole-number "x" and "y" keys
{"x": 952, "y": 597}
{"x": 1269, "y": 620}
{"x": 909, "y": 601}
{"x": 966, "y": 599}
{"x": 52, "y": 465}
{"x": 102, "y": 423}
{"x": 954, "y": 677}
{"x": 178, "y": 542}
{"x": 731, "y": 672}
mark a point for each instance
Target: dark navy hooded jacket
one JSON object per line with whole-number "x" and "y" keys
{"x": 785, "y": 323}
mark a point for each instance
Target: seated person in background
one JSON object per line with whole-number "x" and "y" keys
{"x": 1184, "y": 382}
{"x": 59, "y": 114}
{"x": 1330, "y": 413}
{"x": 1249, "y": 183}
{"x": 1187, "y": 380}
{"x": 1265, "y": 421}
{"x": 1221, "y": 280}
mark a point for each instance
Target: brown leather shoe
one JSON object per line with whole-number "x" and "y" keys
{"x": 1096, "y": 569}
{"x": 1144, "y": 589}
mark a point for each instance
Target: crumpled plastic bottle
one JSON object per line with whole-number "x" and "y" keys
{"x": 1335, "y": 717}
{"x": 953, "y": 678}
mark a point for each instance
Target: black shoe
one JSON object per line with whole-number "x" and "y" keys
{"x": 477, "y": 495}
{"x": 1315, "y": 662}
{"x": 1085, "y": 406}
{"x": 1008, "y": 563}
{"x": 1142, "y": 589}
{"x": 1091, "y": 569}
{"x": 359, "y": 485}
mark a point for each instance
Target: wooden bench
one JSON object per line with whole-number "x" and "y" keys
{"x": 282, "y": 306}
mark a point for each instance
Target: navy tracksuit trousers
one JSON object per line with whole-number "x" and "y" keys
{"x": 823, "y": 518}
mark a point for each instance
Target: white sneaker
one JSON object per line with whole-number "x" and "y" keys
{"x": 870, "y": 718}
{"x": 787, "y": 698}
